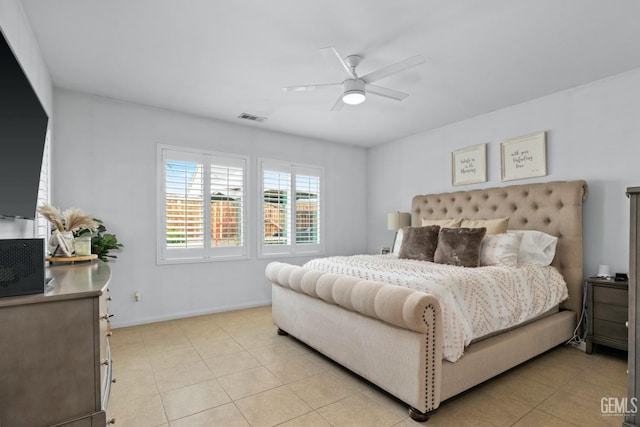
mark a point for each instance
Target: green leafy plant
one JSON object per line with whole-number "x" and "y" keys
{"x": 101, "y": 241}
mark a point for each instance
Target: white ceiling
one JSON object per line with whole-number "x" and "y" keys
{"x": 220, "y": 58}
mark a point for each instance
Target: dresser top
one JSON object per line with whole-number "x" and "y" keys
{"x": 602, "y": 281}
{"x": 70, "y": 281}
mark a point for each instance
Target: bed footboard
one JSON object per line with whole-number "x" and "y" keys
{"x": 387, "y": 327}
{"x": 398, "y": 306}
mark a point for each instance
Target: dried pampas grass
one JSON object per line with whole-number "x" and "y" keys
{"x": 53, "y": 215}
{"x": 75, "y": 219}
{"x": 69, "y": 220}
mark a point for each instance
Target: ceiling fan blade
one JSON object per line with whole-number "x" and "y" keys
{"x": 338, "y": 105}
{"x": 393, "y": 68}
{"x": 311, "y": 87}
{"x": 330, "y": 53}
{"x": 387, "y": 93}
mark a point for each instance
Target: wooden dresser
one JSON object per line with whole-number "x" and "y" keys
{"x": 55, "y": 366}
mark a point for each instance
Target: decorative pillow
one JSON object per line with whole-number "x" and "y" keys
{"x": 419, "y": 242}
{"x": 536, "y": 248}
{"x": 448, "y": 223}
{"x": 500, "y": 249}
{"x": 460, "y": 246}
{"x": 493, "y": 226}
{"x": 397, "y": 242}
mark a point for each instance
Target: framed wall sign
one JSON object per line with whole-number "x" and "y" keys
{"x": 469, "y": 165}
{"x": 523, "y": 157}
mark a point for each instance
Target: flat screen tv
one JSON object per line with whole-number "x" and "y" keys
{"x": 23, "y": 128}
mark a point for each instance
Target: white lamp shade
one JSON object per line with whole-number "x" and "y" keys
{"x": 397, "y": 220}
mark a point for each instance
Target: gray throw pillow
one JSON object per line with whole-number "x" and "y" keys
{"x": 419, "y": 242}
{"x": 460, "y": 246}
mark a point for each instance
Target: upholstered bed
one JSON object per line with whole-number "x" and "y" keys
{"x": 393, "y": 335}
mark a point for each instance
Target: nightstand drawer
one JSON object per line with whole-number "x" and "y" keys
{"x": 609, "y": 329}
{"x": 611, "y": 296}
{"x": 612, "y": 313}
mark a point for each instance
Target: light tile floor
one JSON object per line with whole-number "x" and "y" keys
{"x": 232, "y": 369}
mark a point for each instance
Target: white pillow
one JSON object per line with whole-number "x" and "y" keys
{"x": 397, "y": 243}
{"x": 500, "y": 249}
{"x": 536, "y": 248}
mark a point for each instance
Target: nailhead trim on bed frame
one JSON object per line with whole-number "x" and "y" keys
{"x": 430, "y": 365}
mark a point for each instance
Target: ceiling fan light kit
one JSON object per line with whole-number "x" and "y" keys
{"x": 354, "y": 88}
{"x": 353, "y": 91}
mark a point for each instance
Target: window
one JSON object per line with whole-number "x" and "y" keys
{"x": 202, "y": 205}
{"x": 291, "y": 209}
{"x": 42, "y": 227}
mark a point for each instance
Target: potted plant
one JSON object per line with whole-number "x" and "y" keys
{"x": 101, "y": 241}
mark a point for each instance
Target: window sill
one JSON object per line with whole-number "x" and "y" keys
{"x": 313, "y": 254}
{"x": 174, "y": 261}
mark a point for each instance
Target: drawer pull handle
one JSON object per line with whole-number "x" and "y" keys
{"x": 111, "y": 421}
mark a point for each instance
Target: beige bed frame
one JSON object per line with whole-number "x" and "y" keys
{"x": 392, "y": 336}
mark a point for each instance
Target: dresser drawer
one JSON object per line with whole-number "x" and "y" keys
{"x": 605, "y": 328}
{"x": 612, "y": 313}
{"x": 606, "y": 295}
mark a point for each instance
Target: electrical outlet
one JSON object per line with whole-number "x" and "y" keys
{"x": 136, "y": 296}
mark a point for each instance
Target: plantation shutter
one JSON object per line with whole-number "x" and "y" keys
{"x": 227, "y": 202}
{"x": 202, "y": 206}
{"x": 307, "y": 207}
{"x": 276, "y": 207}
{"x": 42, "y": 228}
{"x": 290, "y": 208}
{"x": 183, "y": 202}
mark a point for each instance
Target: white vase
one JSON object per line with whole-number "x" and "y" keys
{"x": 62, "y": 243}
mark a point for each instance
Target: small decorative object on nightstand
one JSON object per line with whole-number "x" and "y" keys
{"x": 607, "y": 311}
{"x": 397, "y": 220}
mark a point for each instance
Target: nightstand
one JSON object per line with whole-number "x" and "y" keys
{"x": 607, "y": 313}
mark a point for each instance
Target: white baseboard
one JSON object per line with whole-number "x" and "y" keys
{"x": 182, "y": 315}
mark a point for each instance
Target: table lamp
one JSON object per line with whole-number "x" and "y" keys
{"x": 397, "y": 220}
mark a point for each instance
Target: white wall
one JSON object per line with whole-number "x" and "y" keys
{"x": 105, "y": 158}
{"x": 593, "y": 133}
{"x": 16, "y": 29}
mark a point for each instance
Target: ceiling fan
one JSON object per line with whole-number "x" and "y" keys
{"x": 355, "y": 88}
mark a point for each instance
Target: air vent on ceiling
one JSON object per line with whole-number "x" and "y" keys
{"x": 252, "y": 117}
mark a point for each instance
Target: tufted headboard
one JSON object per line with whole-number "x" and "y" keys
{"x": 552, "y": 207}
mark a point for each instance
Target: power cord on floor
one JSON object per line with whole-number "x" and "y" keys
{"x": 576, "y": 340}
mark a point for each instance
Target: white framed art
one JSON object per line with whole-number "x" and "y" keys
{"x": 469, "y": 165}
{"x": 523, "y": 157}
